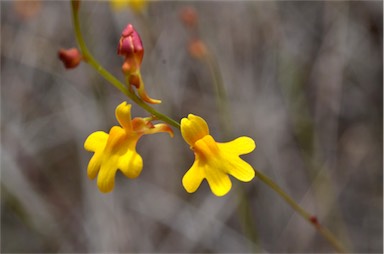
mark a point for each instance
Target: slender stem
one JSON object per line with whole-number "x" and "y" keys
{"x": 222, "y": 103}
{"x": 108, "y": 76}
{"x": 221, "y": 96}
{"x": 218, "y": 84}
{"x": 307, "y": 216}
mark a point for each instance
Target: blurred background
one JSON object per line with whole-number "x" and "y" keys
{"x": 303, "y": 79}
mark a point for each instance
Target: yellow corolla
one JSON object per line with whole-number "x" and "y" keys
{"x": 117, "y": 150}
{"x": 214, "y": 161}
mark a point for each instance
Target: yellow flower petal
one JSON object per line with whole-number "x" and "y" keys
{"x": 117, "y": 139}
{"x": 241, "y": 145}
{"x": 123, "y": 115}
{"x": 106, "y": 177}
{"x": 218, "y": 180}
{"x": 193, "y": 128}
{"x": 131, "y": 163}
{"x": 193, "y": 178}
{"x": 94, "y": 165}
{"x": 240, "y": 169}
{"x": 237, "y": 167}
{"x": 96, "y": 141}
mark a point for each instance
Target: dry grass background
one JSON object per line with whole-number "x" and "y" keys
{"x": 304, "y": 79}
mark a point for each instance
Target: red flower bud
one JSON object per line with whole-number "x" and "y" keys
{"x": 131, "y": 47}
{"x": 70, "y": 57}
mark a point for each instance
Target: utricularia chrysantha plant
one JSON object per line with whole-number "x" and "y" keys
{"x": 116, "y": 150}
{"x": 214, "y": 161}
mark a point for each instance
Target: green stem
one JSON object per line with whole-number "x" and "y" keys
{"x": 222, "y": 103}
{"x": 108, "y": 76}
{"x": 221, "y": 93}
{"x": 307, "y": 216}
{"x": 221, "y": 96}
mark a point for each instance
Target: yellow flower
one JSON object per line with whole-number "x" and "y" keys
{"x": 117, "y": 150}
{"x": 214, "y": 161}
{"x": 135, "y": 5}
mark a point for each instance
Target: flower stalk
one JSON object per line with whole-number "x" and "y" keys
{"x": 88, "y": 58}
{"x": 200, "y": 51}
{"x": 303, "y": 213}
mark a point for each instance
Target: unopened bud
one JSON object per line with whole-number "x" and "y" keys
{"x": 27, "y": 9}
{"x": 189, "y": 17}
{"x": 131, "y": 47}
{"x": 70, "y": 57}
{"x": 197, "y": 48}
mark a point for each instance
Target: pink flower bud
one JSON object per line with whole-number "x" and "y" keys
{"x": 131, "y": 47}
{"x": 70, "y": 57}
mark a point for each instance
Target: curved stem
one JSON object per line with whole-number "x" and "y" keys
{"x": 303, "y": 213}
{"x": 115, "y": 82}
{"x": 108, "y": 76}
{"x": 222, "y": 103}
